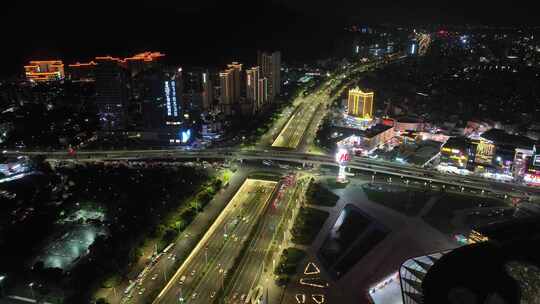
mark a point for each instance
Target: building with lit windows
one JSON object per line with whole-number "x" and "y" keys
{"x": 226, "y": 91}
{"x": 456, "y": 151}
{"x": 207, "y": 92}
{"x": 112, "y": 78}
{"x": 111, "y": 93}
{"x": 157, "y": 100}
{"x": 230, "y": 84}
{"x": 360, "y": 103}
{"x": 44, "y": 70}
{"x": 256, "y": 89}
{"x": 527, "y": 166}
{"x": 363, "y": 142}
{"x": 262, "y": 91}
{"x": 236, "y": 71}
{"x": 270, "y": 68}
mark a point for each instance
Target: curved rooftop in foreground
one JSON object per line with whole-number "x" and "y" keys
{"x": 499, "y": 271}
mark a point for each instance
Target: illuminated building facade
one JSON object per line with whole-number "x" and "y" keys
{"x": 236, "y": 71}
{"x": 256, "y": 89}
{"x": 455, "y": 152}
{"x": 230, "y": 84}
{"x": 157, "y": 97}
{"x": 363, "y": 142}
{"x": 485, "y": 151}
{"x": 82, "y": 72}
{"x": 360, "y": 103}
{"x": 44, "y": 70}
{"x": 262, "y": 91}
{"x": 207, "y": 92}
{"x": 342, "y": 158}
{"x": 226, "y": 93}
{"x": 270, "y": 68}
{"x": 142, "y": 61}
{"x": 531, "y": 173}
{"x": 495, "y": 154}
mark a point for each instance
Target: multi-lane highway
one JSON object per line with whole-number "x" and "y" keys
{"x": 200, "y": 277}
{"x": 256, "y": 266}
{"x": 292, "y": 134}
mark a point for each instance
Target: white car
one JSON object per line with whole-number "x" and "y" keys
{"x": 154, "y": 277}
{"x": 194, "y": 295}
{"x": 212, "y": 295}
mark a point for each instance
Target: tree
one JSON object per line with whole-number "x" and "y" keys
{"x": 102, "y": 301}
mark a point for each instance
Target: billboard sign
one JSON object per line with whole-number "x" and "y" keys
{"x": 343, "y": 156}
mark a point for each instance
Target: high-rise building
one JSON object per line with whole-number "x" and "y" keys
{"x": 262, "y": 92}
{"x": 158, "y": 94}
{"x": 82, "y": 72}
{"x": 111, "y": 92}
{"x": 44, "y": 70}
{"x": 230, "y": 85}
{"x": 236, "y": 69}
{"x": 207, "y": 92}
{"x": 142, "y": 61}
{"x": 270, "y": 64}
{"x": 225, "y": 98}
{"x": 360, "y": 103}
{"x": 193, "y": 88}
{"x": 252, "y": 88}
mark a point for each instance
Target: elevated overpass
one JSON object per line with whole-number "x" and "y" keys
{"x": 363, "y": 164}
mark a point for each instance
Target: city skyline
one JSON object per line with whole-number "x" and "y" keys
{"x": 124, "y": 29}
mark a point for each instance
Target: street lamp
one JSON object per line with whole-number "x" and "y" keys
{"x": 2, "y": 278}
{"x": 31, "y": 285}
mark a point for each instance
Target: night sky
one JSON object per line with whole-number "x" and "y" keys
{"x": 206, "y": 32}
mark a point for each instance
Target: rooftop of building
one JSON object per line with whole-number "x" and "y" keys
{"x": 344, "y": 132}
{"x": 457, "y": 142}
{"x": 408, "y": 119}
{"x": 359, "y": 91}
{"x": 503, "y": 269}
{"x": 500, "y": 137}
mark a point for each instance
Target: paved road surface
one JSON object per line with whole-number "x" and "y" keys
{"x": 200, "y": 273}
